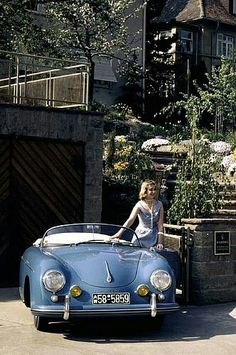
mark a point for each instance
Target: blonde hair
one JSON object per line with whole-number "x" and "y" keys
{"x": 144, "y": 187}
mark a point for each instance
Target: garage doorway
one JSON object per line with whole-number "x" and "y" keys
{"x": 41, "y": 185}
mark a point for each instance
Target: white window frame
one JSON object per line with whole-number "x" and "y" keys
{"x": 225, "y": 45}
{"x": 186, "y": 40}
{"x": 164, "y": 34}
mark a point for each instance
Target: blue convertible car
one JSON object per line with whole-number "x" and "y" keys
{"x": 81, "y": 270}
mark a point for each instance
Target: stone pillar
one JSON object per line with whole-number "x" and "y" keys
{"x": 212, "y": 260}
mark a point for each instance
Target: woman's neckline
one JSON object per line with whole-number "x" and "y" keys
{"x": 149, "y": 207}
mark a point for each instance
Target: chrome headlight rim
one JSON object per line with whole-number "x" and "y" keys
{"x": 157, "y": 280}
{"x": 61, "y": 284}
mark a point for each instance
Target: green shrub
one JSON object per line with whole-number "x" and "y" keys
{"x": 197, "y": 191}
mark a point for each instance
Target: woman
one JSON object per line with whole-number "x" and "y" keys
{"x": 150, "y": 215}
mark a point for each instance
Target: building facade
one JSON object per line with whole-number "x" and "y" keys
{"x": 205, "y": 31}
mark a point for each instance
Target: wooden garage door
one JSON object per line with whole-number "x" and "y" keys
{"x": 41, "y": 185}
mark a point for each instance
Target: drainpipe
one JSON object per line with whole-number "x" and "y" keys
{"x": 144, "y": 54}
{"x": 216, "y": 30}
{"x": 197, "y": 44}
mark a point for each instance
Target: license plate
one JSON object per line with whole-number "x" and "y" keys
{"x": 111, "y": 298}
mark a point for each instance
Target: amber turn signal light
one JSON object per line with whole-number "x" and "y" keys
{"x": 75, "y": 291}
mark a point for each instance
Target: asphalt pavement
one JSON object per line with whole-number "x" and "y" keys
{"x": 209, "y": 329}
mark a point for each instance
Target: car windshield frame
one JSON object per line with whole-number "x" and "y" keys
{"x": 83, "y": 233}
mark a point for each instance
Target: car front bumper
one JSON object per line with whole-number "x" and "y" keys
{"x": 66, "y": 311}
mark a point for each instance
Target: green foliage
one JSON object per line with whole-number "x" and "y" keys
{"x": 197, "y": 191}
{"x": 216, "y": 99}
{"x": 91, "y": 29}
{"x": 119, "y": 111}
{"x": 220, "y": 93}
{"x": 94, "y": 28}
{"x": 132, "y": 92}
{"x": 14, "y": 19}
{"x": 230, "y": 137}
{"x": 160, "y": 66}
{"x": 124, "y": 161}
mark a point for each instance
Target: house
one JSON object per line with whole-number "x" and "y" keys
{"x": 205, "y": 31}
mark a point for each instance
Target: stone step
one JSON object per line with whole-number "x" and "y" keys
{"x": 230, "y": 186}
{"x": 163, "y": 153}
{"x": 228, "y": 194}
{"x": 225, "y": 213}
{"x": 229, "y": 204}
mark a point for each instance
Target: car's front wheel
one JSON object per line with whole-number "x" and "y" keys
{"x": 41, "y": 323}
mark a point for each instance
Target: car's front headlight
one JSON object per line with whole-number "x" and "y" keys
{"x": 161, "y": 280}
{"x": 54, "y": 280}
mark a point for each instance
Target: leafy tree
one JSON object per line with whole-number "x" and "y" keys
{"x": 220, "y": 94}
{"x": 215, "y": 99}
{"x": 132, "y": 91}
{"x": 20, "y": 31}
{"x": 13, "y": 19}
{"x": 93, "y": 28}
{"x": 160, "y": 67}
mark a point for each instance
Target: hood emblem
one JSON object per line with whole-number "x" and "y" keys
{"x": 109, "y": 277}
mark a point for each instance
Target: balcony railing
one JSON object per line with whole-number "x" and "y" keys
{"x": 42, "y": 81}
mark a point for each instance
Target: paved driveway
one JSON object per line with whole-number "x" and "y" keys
{"x": 194, "y": 330}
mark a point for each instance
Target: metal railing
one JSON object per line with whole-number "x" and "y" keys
{"x": 180, "y": 238}
{"x": 37, "y": 80}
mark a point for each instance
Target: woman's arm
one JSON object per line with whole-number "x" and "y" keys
{"x": 128, "y": 223}
{"x": 160, "y": 237}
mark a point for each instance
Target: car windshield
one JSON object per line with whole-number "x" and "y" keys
{"x": 78, "y": 233}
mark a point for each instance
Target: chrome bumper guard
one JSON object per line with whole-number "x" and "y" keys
{"x": 153, "y": 305}
{"x": 67, "y": 308}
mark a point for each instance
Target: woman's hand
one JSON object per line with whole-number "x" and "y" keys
{"x": 160, "y": 246}
{"x": 115, "y": 236}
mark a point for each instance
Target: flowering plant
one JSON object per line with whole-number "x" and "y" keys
{"x": 228, "y": 160}
{"x": 124, "y": 162}
{"x": 221, "y": 147}
{"x": 153, "y": 143}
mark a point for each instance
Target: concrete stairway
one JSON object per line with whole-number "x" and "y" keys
{"x": 163, "y": 159}
{"x": 228, "y": 209}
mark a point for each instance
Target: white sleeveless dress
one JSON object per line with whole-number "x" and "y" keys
{"x": 147, "y": 228}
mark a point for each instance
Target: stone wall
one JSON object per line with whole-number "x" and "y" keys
{"x": 68, "y": 125}
{"x": 212, "y": 277}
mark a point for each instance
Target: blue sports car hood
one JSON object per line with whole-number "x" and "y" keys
{"x": 97, "y": 264}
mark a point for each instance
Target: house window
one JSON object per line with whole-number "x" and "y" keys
{"x": 186, "y": 41}
{"x": 225, "y": 45}
{"x": 164, "y": 35}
